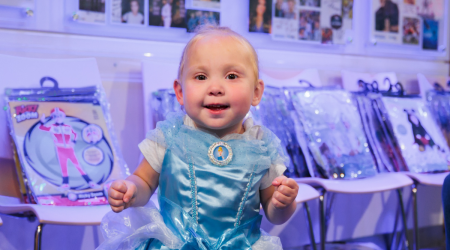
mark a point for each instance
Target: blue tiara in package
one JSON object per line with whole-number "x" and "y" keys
{"x": 273, "y": 113}
{"x": 65, "y": 143}
{"x": 334, "y": 133}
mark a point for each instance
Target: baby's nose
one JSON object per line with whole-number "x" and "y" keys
{"x": 216, "y": 91}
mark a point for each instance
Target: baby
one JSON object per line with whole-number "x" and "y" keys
{"x": 213, "y": 167}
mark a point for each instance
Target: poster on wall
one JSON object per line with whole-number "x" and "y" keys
{"x": 408, "y": 22}
{"x": 167, "y": 13}
{"x": 18, "y": 3}
{"x": 127, "y": 11}
{"x": 315, "y": 21}
{"x": 260, "y": 16}
{"x": 196, "y": 18}
{"x": 208, "y": 4}
{"x": 91, "y": 11}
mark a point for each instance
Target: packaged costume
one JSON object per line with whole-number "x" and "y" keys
{"x": 385, "y": 147}
{"x": 439, "y": 103}
{"x": 334, "y": 133}
{"x": 163, "y": 102}
{"x": 65, "y": 144}
{"x": 208, "y": 192}
{"x": 422, "y": 144}
{"x": 273, "y": 113}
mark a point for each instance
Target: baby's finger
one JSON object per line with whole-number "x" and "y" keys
{"x": 116, "y": 203}
{"x": 115, "y": 194}
{"x": 287, "y": 191}
{"x": 282, "y": 198}
{"x": 119, "y": 186}
{"x": 117, "y": 209}
{"x": 277, "y": 181}
{"x": 129, "y": 194}
{"x": 290, "y": 183}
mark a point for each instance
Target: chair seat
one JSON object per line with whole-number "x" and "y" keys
{"x": 69, "y": 215}
{"x": 378, "y": 183}
{"x": 432, "y": 179}
{"x": 306, "y": 193}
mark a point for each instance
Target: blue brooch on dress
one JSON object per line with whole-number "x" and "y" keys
{"x": 220, "y": 153}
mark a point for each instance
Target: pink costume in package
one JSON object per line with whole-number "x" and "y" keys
{"x": 65, "y": 143}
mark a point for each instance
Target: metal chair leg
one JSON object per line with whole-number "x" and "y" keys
{"x": 310, "y": 226}
{"x": 415, "y": 216}
{"x": 322, "y": 219}
{"x": 404, "y": 220}
{"x": 38, "y": 237}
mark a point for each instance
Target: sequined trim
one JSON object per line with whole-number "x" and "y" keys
{"x": 244, "y": 199}
{"x": 193, "y": 181}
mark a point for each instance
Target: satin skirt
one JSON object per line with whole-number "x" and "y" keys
{"x": 145, "y": 228}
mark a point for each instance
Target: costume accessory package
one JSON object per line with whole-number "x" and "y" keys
{"x": 65, "y": 144}
{"x": 334, "y": 133}
{"x": 164, "y": 101}
{"x": 385, "y": 146}
{"x": 422, "y": 144}
{"x": 439, "y": 103}
{"x": 273, "y": 113}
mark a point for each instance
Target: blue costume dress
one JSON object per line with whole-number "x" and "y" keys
{"x": 202, "y": 205}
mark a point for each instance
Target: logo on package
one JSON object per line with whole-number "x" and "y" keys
{"x": 26, "y": 112}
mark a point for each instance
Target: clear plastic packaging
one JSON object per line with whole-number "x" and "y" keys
{"x": 334, "y": 134}
{"x": 65, "y": 143}
{"x": 439, "y": 103}
{"x": 422, "y": 144}
{"x": 273, "y": 113}
{"x": 163, "y": 102}
{"x": 384, "y": 144}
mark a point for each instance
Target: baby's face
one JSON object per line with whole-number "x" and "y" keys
{"x": 218, "y": 83}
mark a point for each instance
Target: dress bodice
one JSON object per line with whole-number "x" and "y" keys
{"x": 218, "y": 198}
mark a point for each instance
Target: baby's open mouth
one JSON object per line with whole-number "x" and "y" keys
{"x": 216, "y": 107}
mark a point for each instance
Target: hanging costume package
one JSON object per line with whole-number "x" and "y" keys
{"x": 335, "y": 136}
{"x": 273, "y": 113}
{"x": 422, "y": 143}
{"x": 384, "y": 145}
{"x": 65, "y": 144}
{"x": 439, "y": 103}
{"x": 163, "y": 102}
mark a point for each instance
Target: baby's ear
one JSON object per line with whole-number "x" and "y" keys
{"x": 258, "y": 92}
{"x": 177, "y": 88}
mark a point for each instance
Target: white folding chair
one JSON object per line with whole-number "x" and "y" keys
{"x": 305, "y": 194}
{"x": 379, "y": 183}
{"x": 58, "y": 215}
{"x": 422, "y": 179}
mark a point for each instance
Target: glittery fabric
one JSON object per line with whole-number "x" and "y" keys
{"x": 335, "y": 136}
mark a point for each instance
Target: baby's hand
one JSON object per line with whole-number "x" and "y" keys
{"x": 286, "y": 190}
{"x": 121, "y": 195}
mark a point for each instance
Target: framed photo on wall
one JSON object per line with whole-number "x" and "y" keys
{"x": 91, "y": 11}
{"x": 128, "y": 12}
{"x": 167, "y": 13}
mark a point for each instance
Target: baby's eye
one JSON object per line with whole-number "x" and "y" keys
{"x": 232, "y": 76}
{"x": 201, "y": 77}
